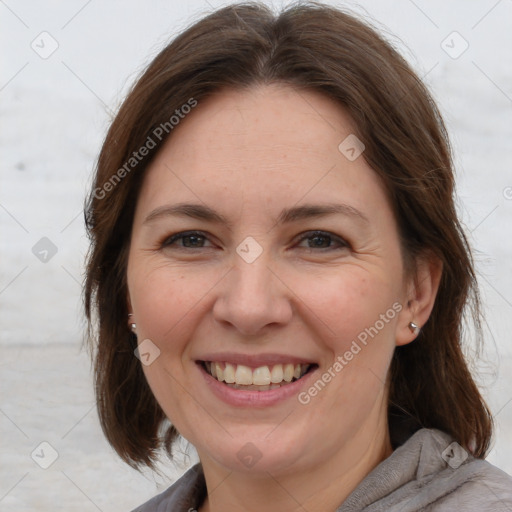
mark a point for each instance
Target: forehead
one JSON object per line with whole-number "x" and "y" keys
{"x": 266, "y": 121}
{"x": 263, "y": 145}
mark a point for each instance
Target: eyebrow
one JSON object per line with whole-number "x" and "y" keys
{"x": 287, "y": 215}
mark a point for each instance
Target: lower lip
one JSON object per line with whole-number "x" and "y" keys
{"x": 241, "y": 398}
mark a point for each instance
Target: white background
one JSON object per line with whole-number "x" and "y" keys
{"x": 54, "y": 114}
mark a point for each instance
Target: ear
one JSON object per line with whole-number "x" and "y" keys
{"x": 129, "y": 308}
{"x": 421, "y": 294}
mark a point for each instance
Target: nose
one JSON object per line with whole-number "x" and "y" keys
{"x": 252, "y": 298}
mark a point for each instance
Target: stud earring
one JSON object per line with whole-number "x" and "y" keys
{"x": 415, "y": 329}
{"x": 133, "y": 326}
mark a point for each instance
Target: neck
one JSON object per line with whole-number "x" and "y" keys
{"x": 323, "y": 487}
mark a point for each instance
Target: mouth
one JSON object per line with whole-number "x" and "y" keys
{"x": 262, "y": 378}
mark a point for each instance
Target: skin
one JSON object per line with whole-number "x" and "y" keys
{"x": 249, "y": 154}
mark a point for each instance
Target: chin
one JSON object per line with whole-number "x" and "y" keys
{"x": 256, "y": 450}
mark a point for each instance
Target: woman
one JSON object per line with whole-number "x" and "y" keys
{"x": 279, "y": 275}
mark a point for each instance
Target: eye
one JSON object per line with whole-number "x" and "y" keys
{"x": 198, "y": 240}
{"x": 322, "y": 240}
{"x": 186, "y": 240}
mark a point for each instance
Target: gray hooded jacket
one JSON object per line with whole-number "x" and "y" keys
{"x": 429, "y": 472}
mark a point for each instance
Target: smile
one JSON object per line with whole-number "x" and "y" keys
{"x": 263, "y": 378}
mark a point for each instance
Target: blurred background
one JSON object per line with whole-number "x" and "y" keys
{"x": 66, "y": 67}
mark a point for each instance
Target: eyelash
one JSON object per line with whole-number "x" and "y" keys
{"x": 169, "y": 241}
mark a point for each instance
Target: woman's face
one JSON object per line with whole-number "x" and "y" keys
{"x": 262, "y": 250}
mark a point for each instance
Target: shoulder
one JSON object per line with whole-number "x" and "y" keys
{"x": 479, "y": 486}
{"x": 186, "y": 494}
{"x": 432, "y": 472}
{"x": 452, "y": 479}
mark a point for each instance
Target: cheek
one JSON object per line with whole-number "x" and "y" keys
{"x": 166, "y": 383}
{"x": 354, "y": 321}
{"x": 165, "y": 299}
{"x": 346, "y": 304}
{"x": 167, "y": 303}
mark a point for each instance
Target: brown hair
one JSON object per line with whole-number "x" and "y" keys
{"x": 310, "y": 47}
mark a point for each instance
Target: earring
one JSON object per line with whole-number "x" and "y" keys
{"x": 414, "y": 328}
{"x": 133, "y": 326}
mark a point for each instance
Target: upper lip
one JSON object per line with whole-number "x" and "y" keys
{"x": 253, "y": 360}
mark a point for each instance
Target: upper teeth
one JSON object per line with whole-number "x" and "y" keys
{"x": 261, "y": 376}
